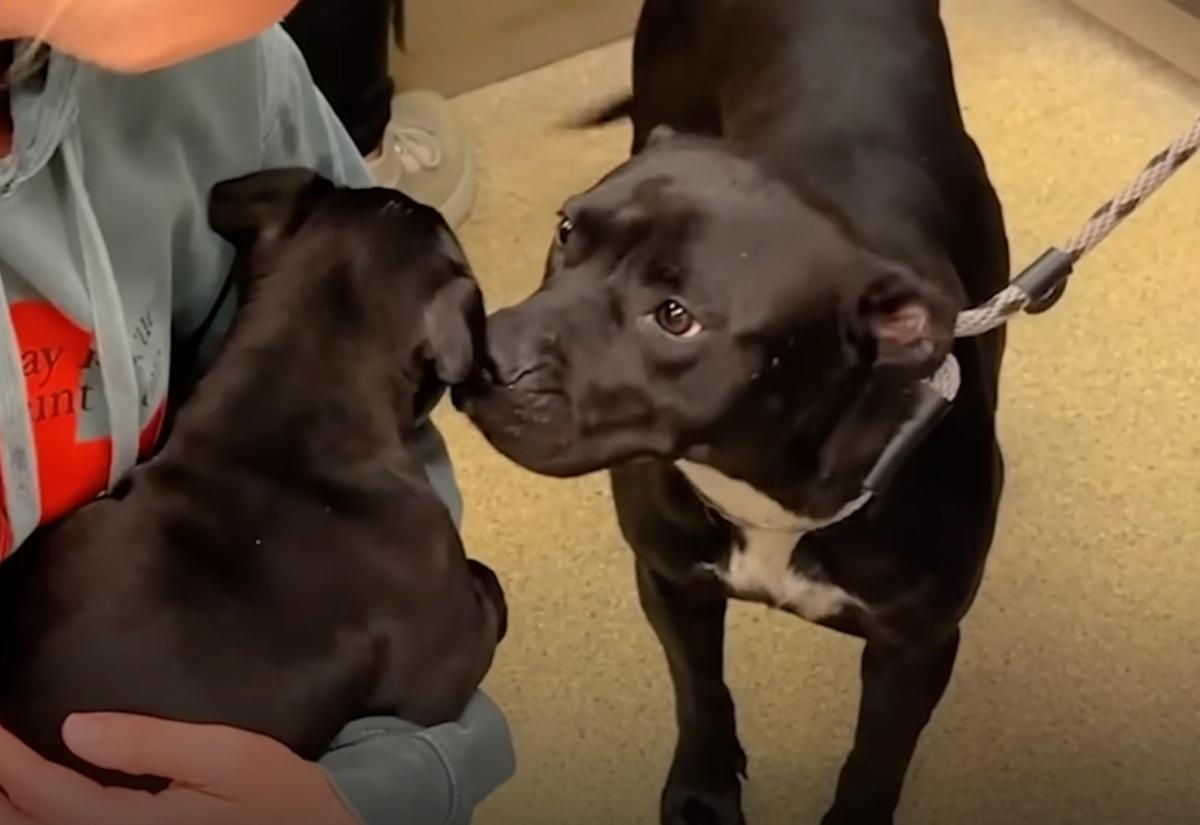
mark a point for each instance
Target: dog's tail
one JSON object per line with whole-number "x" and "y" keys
{"x": 611, "y": 112}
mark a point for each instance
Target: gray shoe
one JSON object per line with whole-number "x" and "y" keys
{"x": 428, "y": 155}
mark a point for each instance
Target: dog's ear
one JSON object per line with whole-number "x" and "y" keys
{"x": 902, "y": 323}
{"x": 264, "y": 204}
{"x": 454, "y": 330}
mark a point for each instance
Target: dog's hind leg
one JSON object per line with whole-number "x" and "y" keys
{"x": 900, "y": 689}
{"x": 704, "y": 787}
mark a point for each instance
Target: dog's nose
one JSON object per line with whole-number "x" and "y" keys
{"x": 514, "y": 350}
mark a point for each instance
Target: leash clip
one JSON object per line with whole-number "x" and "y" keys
{"x": 1045, "y": 280}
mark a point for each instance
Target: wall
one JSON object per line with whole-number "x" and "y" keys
{"x": 1170, "y": 28}
{"x": 1192, "y": 6}
{"x": 453, "y": 46}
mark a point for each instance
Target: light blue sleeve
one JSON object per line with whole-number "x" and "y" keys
{"x": 387, "y": 770}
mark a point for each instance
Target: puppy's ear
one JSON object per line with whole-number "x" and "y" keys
{"x": 903, "y": 324}
{"x": 454, "y": 329}
{"x": 264, "y": 204}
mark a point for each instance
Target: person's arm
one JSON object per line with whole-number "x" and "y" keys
{"x": 386, "y": 770}
{"x": 382, "y": 771}
{"x": 390, "y": 771}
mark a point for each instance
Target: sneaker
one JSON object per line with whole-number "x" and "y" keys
{"x": 427, "y": 154}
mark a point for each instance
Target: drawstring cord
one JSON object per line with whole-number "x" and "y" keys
{"x": 18, "y": 452}
{"x": 108, "y": 325}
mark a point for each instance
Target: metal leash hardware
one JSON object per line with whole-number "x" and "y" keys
{"x": 1035, "y": 290}
{"x": 1043, "y": 283}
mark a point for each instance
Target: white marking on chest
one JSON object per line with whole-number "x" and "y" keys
{"x": 771, "y": 533}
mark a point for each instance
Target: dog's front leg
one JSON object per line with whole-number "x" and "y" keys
{"x": 900, "y": 689}
{"x": 704, "y": 786}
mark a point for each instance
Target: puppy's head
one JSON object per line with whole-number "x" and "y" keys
{"x": 363, "y": 265}
{"x": 693, "y": 304}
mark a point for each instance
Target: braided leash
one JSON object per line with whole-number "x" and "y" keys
{"x": 1157, "y": 172}
{"x": 1035, "y": 290}
{"x": 1040, "y": 286}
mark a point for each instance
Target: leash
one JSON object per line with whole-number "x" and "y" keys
{"x": 1040, "y": 287}
{"x": 1034, "y": 291}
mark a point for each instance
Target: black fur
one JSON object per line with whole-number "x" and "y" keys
{"x": 802, "y": 182}
{"x": 283, "y": 565}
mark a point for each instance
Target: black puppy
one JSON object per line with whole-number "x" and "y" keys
{"x": 283, "y": 565}
{"x": 737, "y": 321}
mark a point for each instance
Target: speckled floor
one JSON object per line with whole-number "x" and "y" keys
{"x": 1077, "y": 696}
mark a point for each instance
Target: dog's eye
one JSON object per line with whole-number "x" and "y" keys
{"x": 677, "y": 320}
{"x": 565, "y": 227}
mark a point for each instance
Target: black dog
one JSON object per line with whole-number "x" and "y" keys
{"x": 737, "y": 322}
{"x": 283, "y": 565}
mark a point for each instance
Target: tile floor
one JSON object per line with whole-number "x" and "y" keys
{"x": 1077, "y": 697}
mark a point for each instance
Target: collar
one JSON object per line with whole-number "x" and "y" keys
{"x": 749, "y": 509}
{"x": 43, "y": 111}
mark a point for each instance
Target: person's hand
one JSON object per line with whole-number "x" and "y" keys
{"x": 220, "y": 776}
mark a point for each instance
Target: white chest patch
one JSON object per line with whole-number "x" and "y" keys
{"x": 763, "y": 565}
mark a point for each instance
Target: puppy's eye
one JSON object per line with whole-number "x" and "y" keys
{"x": 565, "y": 227}
{"x": 675, "y": 319}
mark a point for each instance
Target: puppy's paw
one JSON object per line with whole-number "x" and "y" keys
{"x": 690, "y": 806}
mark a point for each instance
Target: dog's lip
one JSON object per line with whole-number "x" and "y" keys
{"x": 464, "y": 396}
{"x": 522, "y": 374}
{"x": 490, "y": 376}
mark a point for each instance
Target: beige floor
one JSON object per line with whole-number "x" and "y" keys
{"x": 1076, "y": 698}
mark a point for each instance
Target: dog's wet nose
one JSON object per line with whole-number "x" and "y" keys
{"x": 513, "y": 352}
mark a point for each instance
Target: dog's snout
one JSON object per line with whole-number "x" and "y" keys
{"x": 513, "y": 352}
